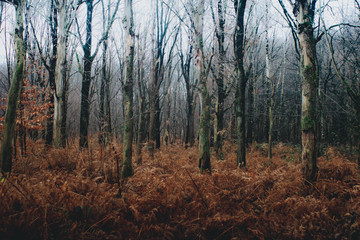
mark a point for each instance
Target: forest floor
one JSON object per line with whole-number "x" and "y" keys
{"x": 68, "y": 194}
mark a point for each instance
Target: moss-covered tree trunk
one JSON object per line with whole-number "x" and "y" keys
{"x": 128, "y": 22}
{"x": 240, "y": 6}
{"x": 204, "y": 127}
{"x": 60, "y": 76}
{"x": 219, "y": 109}
{"x": 309, "y": 74}
{"x": 15, "y": 90}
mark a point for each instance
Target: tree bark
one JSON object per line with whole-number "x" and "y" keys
{"x": 241, "y": 81}
{"x": 102, "y": 137}
{"x": 271, "y": 82}
{"x": 86, "y": 79}
{"x": 15, "y": 90}
{"x": 219, "y": 111}
{"x": 104, "y": 114}
{"x": 141, "y": 104}
{"x": 204, "y": 127}
{"x": 309, "y": 74}
{"x": 60, "y": 77}
{"x": 88, "y": 60}
{"x": 52, "y": 68}
{"x": 185, "y": 69}
{"x": 128, "y": 22}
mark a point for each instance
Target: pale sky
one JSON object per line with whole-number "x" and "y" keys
{"x": 337, "y": 11}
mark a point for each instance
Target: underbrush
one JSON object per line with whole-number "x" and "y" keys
{"x": 68, "y": 194}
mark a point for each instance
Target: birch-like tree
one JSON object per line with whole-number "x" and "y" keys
{"x": 65, "y": 11}
{"x": 197, "y": 23}
{"x": 303, "y": 31}
{"x": 15, "y": 87}
{"x": 128, "y": 22}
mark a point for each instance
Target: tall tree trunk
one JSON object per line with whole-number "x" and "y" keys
{"x": 152, "y": 110}
{"x": 102, "y": 138}
{"x": 53, "y": 60}
{"x": 219, "y": 110}
{"x": 60, "y": 77}
{"x": 271, "y": 83}
{"x": 169, "y": 100}
{"x": 271, "y": 119}
{"x": 15, "y": 90}
{"x": 128, "y": 22}
{"x": 241, "y": 81}
{"x": 185, "y": 69}
{"x": 104, "y": 114}
{"x": 250, "y": 124}
{"x": 141, "y": 104}
{"x": 190, "y": 129}
{"x": 309, "y": 74}
{"x": 141, "y": 129}
{"x": 86, "y": 79}
{"x": 204, "y": 127}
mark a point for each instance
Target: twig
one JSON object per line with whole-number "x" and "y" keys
{"x": 219, "y": 237}
{"x": 19, "y": 190}
{"x": 197, "y": 189}
{"x": 102, "y": 220}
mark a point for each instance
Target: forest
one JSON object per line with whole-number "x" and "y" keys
{"x": 180, "y": 119}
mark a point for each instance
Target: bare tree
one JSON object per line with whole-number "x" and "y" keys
{"x": 239, "y": 34}
{"x": 160, "y": 38}
{"x": 15, "y": 88}
{"x": 141, "y": 99}
{"x": 87, "y": 68}
{"x": 185, "y": 63}
{"x": 65, "y": 10}
{"x": 128, "y": 22}
{"x": 219, "y": 77}
{"x": 304, "y": 12}
{"x": 197, "y": 23}
{"x": 105, "y": 113}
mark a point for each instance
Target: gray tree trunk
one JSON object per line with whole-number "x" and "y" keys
{"x": 219, "y": 110}
{"x": 52, "y": 69}
{"x": 15, "y": 90}
{"x": 240, "y": 6}
{"x": 128, "y": 22}
{"x": 305, "y": 17}
{"x": 61, "y": 76}
{"x": 204, "y": 127}
{"x": 142, "y": 103}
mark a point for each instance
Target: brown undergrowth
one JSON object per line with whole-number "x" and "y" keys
{"x": 68, "y": 194}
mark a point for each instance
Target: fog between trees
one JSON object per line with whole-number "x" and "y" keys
{"x": 201, "y": 72}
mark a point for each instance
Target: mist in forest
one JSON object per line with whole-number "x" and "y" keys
{"x": 179, "y": 119}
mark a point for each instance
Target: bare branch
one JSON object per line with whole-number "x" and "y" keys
{"x": 39, "y": 47}
{"x": 334, "y": 26}
{"x": 177, "y": 15}
{"x": 106, "y": 33}
{"x": 12, "y": 2}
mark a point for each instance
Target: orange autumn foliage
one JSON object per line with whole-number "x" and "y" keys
{"x": 33, "y": 106}
{"x": 68, "y": 194}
